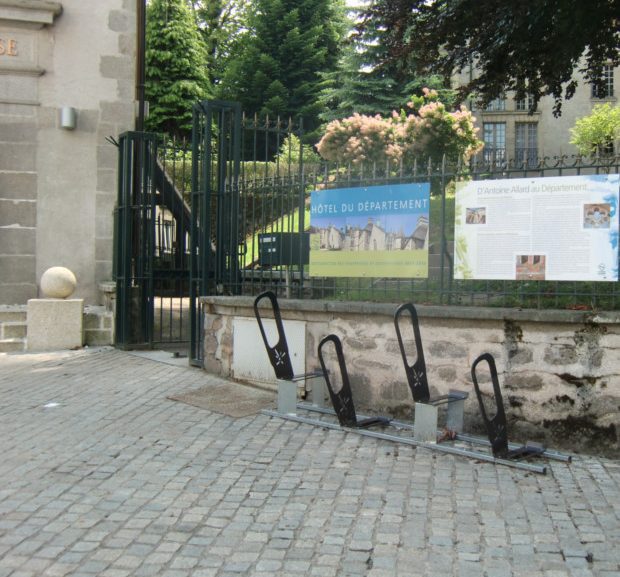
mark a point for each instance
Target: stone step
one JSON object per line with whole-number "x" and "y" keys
{"x": 13, "y": 330}
{"x": 12, "y": 345}
{"x": 12, "y": 315}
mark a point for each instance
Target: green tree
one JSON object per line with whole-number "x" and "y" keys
{"x": 532, "y": 48}
{"x": 176, "y": 73}
{"x": 292, "y": 151}
{"x": 277, "y": 69}
{"x": 220, "y": 23}
{"x": 598, "y": 132}
{"x": 366, "y": 81}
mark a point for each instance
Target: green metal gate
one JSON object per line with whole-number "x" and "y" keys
{"x": 214, "y": 235}
{"x": 151, "y": 247}
{"x": 243, "y": 184}
{"x": 179, "y": 238}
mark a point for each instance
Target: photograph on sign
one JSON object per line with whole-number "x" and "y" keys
{"x": 558, "y": 228}
{"x": 375, "y": 231}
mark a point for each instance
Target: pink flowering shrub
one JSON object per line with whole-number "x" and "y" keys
{"x": 427, "y": 130}
{"x": 358, "y": 139}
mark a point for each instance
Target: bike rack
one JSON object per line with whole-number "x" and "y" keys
{"x": 278, "y": 354}
{"x": 342, "y": 400}
{"x": 496, "y": 426}
{"x": 426, "y": 407}
{"x": 280, "y": 359}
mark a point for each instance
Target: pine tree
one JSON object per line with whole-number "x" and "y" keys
{"x": 356, "y": 86}
{"x": 367, "y": 81}
{"x": 176, "y": 73}
{"x": 278, "y": 68}
{"x": 220, "y": 22}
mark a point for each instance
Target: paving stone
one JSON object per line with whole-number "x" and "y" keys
{"x": 119, "y": 481}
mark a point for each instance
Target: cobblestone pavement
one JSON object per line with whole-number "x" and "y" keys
{"x": 102, "y": 475}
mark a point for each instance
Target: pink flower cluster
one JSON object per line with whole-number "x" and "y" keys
{"x": 429, "y": 131}
{"x": 357, "y": 139}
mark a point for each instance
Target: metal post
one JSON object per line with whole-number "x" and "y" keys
{"x": 287, "y": 397}
{"x": 425, "y": 423}
{"x": 302, "y": 207}
{"x": 141, "y": 62}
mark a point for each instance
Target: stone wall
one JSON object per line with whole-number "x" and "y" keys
{"x": 559, "y": 370}
{"x": 97, "y": 325}
{"x": 58, "y": 185}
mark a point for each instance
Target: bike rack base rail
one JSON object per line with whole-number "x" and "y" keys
{"x": 448, "y": 449}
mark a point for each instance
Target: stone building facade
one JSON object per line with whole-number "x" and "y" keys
{"x": 67, "y": 89}
{"x": 511, "y": 132}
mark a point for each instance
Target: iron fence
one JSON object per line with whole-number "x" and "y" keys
{"x": 229, "y": 213}
{"x": 254, "y": 217}
{"x": 276, "y": 205}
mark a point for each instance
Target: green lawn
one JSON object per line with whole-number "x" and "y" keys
{"x": 286, "y": 223}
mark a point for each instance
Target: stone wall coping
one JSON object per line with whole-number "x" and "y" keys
{"x": 13, "y": 308}
{"x": 95, "y": 310}
{"x": 21, "y": 69}
{"x": 432, "y": 311}
{"x": 54, "y": 7}
{"x": 107, "y": 286}
{"x": 30, "y": 11}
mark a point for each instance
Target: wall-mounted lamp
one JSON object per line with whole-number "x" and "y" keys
{"x": 68, "y": 118}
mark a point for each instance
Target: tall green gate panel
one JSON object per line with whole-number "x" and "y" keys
{"x": 151, "y": 246}
{"x": 134, "y": 239}
{"x": 244, "y": 184}
{"x": 215, "y": 201}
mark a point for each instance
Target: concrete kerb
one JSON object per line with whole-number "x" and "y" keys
{"x": 431, "y": 311}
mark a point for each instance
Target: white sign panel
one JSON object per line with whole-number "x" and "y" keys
{"x": 555, "y": 228}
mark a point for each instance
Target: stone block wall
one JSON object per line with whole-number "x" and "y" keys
{"x": 559, "y": 370}
{"x": 98, "y": 326}
{"x": 58, "y": 186}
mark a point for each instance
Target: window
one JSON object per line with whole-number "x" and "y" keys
{"x": 526, "y": 143}
{"x": 496, "y": 105}
{"x": 607, "y": 88}
{"x": 524, "y": 104}
{"x": 494, "y": 135}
